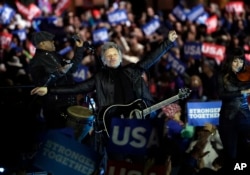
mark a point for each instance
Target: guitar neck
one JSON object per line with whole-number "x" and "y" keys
{"x": 159, "y": 105}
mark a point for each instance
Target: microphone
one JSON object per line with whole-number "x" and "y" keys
{"x": 51, "y": 76}
{"x": 85, "y": 44}
{"x": 75, "y": 38}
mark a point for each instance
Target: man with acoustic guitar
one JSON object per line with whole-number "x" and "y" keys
{"x": 114, "y": 83}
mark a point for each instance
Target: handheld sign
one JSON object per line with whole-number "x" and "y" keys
{"x": 61, "y": 154}
{"x": 134, "y": 136}
{"x": 200, "y": 113}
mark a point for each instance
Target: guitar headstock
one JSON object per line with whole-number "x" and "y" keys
{"x": 184, "y": 93}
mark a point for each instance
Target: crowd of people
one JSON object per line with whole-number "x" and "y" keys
{"x": 69, "y": 64}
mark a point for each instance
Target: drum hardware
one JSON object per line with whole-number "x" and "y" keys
{"x": 64, "y": 115}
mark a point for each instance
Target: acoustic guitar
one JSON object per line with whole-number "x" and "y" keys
{"x": 138, "y": 108}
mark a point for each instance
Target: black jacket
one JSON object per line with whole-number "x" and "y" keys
{"x": 103, "y": 81}
{"x": 45, "y": 64}
{"x": 46, "y": 69}
{"x": 233, "y": 102}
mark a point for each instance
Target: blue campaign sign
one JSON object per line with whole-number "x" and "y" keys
{"x": 65, "y": 50}
{"x": 151, "y": 26}
{"x": 6, "y": 14}
{"x": 195, "y": 12}
{"x": 188, "y": 14}
{"x": 118, "y": 16}
{"x": 81, "y": 73}
{"x": 200, "y": 113}
{"x": 179, "y": 12}
{"x": 134, "y": 136}
{"x": 21, "y": 33}
{"x": 176, "y": 63}
{"x": 202, "y": 18}
{"x": 61, "y": 154}
{"x": 192, "y": 49}
{"x": 100, "y": 35}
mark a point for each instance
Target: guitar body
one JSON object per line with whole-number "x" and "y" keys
{"x": 137, "y": 109}
{"x": 132, "y": 110}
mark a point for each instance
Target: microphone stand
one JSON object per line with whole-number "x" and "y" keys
{"x": 97, "y": 137}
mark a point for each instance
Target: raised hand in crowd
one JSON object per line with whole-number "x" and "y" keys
{"x": 172, "y": 36}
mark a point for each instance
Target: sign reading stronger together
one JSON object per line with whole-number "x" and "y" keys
{"x": 200, "y": 113}
{"x": 61, "y": 154}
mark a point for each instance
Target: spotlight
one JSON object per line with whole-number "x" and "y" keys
{"x": 2, "y": 170}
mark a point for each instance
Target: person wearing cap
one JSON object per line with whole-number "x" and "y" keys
{"x": 49, "y": 68}
{"x": 114, "y": 83}
{"x": 173, "y": 119}
{"x": 234, "y": 119}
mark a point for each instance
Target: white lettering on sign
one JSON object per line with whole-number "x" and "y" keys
{"x": 212, "y": 50}
{"x": 192, "y": 16}
{"x": 68, "y": 157}
{"x": 116, "y": 17}
{"x": 81, "y": 74}
{"x": 139, "y": 141}
{"x": 137, "y": 134}
{"x": 5, "y": 16}
{"x": 100, "y": 36}
{"x": 178, "y": 11}
{"x": 204, "y": 113}
{"x": 175, "y": 64}
{"x": 192, "y": 50}
{"x": 152, "y": 27}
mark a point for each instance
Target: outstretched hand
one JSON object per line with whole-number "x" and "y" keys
{"x": 172, "y": 35}
{"x": 41, "y": 91}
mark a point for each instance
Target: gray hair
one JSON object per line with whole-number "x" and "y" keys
{"x": 108, "y": 45}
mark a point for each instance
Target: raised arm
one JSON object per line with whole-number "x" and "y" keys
{"x": 152, "y": 58}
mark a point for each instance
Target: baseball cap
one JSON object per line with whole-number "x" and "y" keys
{"x": 40, "y": 36}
